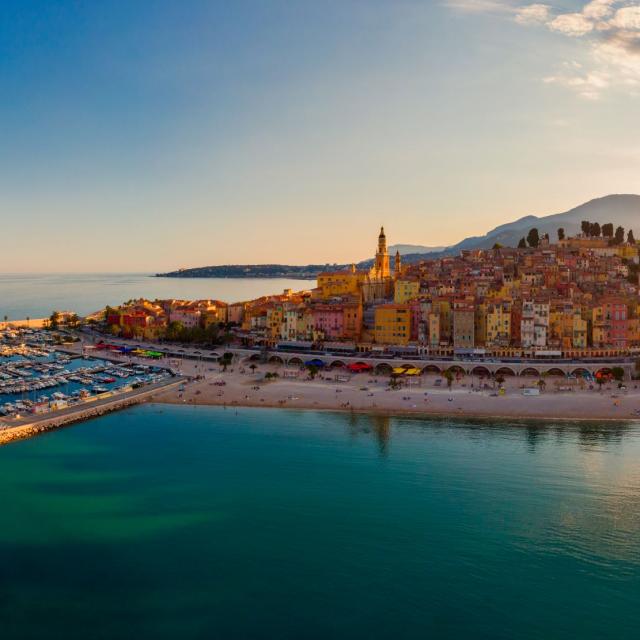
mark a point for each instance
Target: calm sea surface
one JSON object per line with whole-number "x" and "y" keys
{"x": 195, "y": 522}
{"x": 37, "y": 296}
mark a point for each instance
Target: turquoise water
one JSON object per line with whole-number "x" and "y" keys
{"x": 195, "y": 522}
{"x": 37, "y": 295}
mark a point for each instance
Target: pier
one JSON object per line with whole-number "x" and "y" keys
{"x": 26, "y": 428}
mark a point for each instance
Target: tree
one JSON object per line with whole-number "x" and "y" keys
{"x": 252, "y": 367}
{"x": 630, "y": 238}
{"x": 114, "y": 330}
{"x": 619, "y": 236}
{"x": 448, "y": 374}
{"x": 313, "y": 370}
{"x": 225, "y": 360}
{"x": 54, "y": 320}
{"x": 497, "y": 246}
{"x": 560, "y": 233}
{"x": 533, "y": 238}
{"x": 607, "y": 230}
{"x": 522, "y": 244}
{"x": 618, "y": 373}
{"x": 585, "y": 227}
{"x": 594, "y": 230}
{"x": 174, "y": 331}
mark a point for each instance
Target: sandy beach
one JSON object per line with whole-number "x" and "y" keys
{"x": 241, "y": 386}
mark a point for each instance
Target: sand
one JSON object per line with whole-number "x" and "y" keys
{"x": 240, "y": 386}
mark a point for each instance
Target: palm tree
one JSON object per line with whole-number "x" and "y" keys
{"x": 448, "y": 374}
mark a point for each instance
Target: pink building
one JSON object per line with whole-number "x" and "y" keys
{"x": 617, "y": 311}
{"x": 328, "y": 320}
{"x": 189, "y": 318}
{"x": 235, "y": 313}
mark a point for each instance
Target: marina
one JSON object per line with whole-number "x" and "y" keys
{"x": 38, "y": 377}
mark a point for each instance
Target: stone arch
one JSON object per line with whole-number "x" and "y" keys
{"x": 505, "y": 371}
{"x": 296, "y": 361}
{"x": 456, "y": 369}
{"x": 254, "y": 358}
{"x": 337, "y": 364}
{"x": 581, "y": 372}
{"x": 479, "y": 370}
{"x": 432, "y": 368}
{"x": 555, "y": 371}
{"x": 383, "y": 368}
{"x": 530, "y": 371}
{"x": 604, "y": 371}
{"x": 276, "y": 360}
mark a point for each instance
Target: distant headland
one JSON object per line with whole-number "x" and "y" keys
{"x": 624, "y": 209}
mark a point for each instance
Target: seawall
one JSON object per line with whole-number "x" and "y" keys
{"x": 75, "y": 414}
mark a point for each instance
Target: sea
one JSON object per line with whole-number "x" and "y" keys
{"x": 38, "y": 295}
{"x": 203, "y": 522}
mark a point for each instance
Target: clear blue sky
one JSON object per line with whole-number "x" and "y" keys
{"x": 148, "y": 135}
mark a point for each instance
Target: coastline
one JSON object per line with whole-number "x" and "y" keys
{"x": 240, "y": 389}
{"x": 407, "y": 413}
{"x": 66, "y": 417}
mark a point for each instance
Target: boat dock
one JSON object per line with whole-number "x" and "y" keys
{"x": 19, "y": 430}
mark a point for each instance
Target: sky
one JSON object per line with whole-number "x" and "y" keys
{"x": 152, "y": 135}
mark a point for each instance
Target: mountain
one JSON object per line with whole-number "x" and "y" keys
{"x": 619, "y": 209}
{"x": 405, "y": 249}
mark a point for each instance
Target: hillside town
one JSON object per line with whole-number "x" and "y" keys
{"x": 558, "y": 297}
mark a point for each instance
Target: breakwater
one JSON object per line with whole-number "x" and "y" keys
{"x": 66, "y": 417}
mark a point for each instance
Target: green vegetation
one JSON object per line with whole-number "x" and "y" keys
{"x": 533, "y": 238}
{"x": 448, "y": 375}
{"x": 225, "y": 360}
{"x": 214, "y": 334}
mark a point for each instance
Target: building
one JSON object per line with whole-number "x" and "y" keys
{"x": 392, "y": 324}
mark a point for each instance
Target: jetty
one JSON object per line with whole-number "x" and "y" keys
{"x": 32, "y": 426}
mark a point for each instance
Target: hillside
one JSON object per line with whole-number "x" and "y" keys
{"x": 620, "y": 209}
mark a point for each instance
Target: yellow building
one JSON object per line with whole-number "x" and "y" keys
{"x": 214, "y": 314}
{"x": 375, "y": 284}
{"x": 392, "y": 324}
{"x": 406, "y": 290}
{"x": 333, "y": 284}
{"x": 580, "y": 331}
{"x": 275, "y": 321}
{"x": 498, "y": 324}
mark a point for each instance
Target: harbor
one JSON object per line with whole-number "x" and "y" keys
{"x": 41, "y": 381}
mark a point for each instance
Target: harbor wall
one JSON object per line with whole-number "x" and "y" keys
{"x": 80, "y": 413}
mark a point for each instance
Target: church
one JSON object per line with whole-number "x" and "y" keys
{"x": 374, "y": 285}
{"x": 378, "y": 285}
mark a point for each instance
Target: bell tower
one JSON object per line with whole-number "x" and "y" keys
{"x": 381, "y": 266}
{"x": 382, "y": 242}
